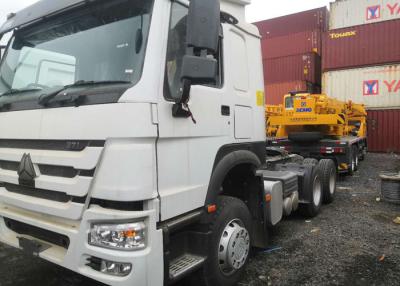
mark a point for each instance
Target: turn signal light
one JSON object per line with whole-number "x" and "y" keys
{"x": 211, "y": 209}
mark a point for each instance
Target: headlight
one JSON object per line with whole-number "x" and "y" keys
{"x": 128, "y": 236}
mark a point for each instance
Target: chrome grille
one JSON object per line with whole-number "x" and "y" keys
{"x": 66, "y": 170}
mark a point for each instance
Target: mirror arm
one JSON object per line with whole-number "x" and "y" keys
{"x": 181, "y": 109}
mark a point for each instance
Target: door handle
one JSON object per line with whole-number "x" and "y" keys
{"x": 225, "y": 110}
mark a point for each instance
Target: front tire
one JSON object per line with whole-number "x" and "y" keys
{"x": 230, "y": 243}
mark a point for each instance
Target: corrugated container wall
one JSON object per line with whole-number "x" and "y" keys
{"x": 274, "y": 92}
{"x": 359, "y": 46}
{"x": 316, "y": 19}
{"x": 384, "y": 130}
{"x": 293, "y": 44}
{"x": 347, "y": 13}
{"x": 376, "y": 87}
{"x": 305, "y": 67}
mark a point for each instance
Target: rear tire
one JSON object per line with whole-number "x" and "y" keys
{"x": 327, "y": 170}
{"x": 313, "y": 208}
{"x": 310, "y": 161}
{"x": 230, "y": 243}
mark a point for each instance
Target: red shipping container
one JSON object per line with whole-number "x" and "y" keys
{"x": 384, "y": 130}
{"x": 274, "y": 92}
{"x": 294, "y": 44}
{"x": 303, "y": 67}
{"x": 359, "y": 46}
{"x": 316, "y": 19}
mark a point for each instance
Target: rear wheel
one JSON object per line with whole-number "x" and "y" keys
{"x": 310, "y": 161}
{"x": 327, "y": 170}
{"x": 230, "y": 243}
{"x": 315, "y": 194}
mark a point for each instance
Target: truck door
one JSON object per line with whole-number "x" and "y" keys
{"x": 243, "y": 112}
{"x": 187, "y": 149}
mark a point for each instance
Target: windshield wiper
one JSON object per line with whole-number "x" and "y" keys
{"x": 94, "y": 82}
{"x": 15, "y": 91}
{"x": 44, "y": 99}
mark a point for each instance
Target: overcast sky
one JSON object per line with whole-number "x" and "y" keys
{"x": 258, "y": 10}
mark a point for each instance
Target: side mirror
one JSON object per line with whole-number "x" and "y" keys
{"x": 203, "y": 26}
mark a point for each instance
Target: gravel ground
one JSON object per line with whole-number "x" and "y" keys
{"x": 354, "y": 241}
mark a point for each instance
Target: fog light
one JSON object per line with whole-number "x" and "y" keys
{"x": 115, "y": 268}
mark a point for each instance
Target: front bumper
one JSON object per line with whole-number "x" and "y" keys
{"x": 147, "y": 264}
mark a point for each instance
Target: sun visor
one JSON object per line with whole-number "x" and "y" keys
{"x": 37, "y": 11}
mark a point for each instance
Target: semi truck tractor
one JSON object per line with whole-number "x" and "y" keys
{"x": 132, "y": 141}
{"x": 319, "y": 127}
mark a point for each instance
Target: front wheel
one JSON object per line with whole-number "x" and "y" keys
{"x": 230, "y": 243}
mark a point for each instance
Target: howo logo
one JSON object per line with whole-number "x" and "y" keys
{"x": 375, "y": 12}
{"x": 26, "y": 171}
{"x": 372, "y": 87}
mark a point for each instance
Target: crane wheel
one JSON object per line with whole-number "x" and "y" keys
{"x": 354, "y": 160}
{"x": 355, "y": 153}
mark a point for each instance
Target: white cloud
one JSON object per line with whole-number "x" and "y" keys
{"x": 9, "y": 6}
{"x": 267, "y": 9}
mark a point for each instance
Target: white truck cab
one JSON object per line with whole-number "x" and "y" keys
{"x": 130, "y": 136}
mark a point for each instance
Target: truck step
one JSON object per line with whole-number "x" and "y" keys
{"x": 184, "y": 265}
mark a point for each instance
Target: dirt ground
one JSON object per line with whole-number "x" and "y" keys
{"x": 354, "y": 241}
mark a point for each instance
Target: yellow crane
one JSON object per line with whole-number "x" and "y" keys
{"x": 311, "y": 125}
{"x": 316, "y": 112}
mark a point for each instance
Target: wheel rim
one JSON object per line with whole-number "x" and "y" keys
{"x": 234, "y": 247}
{"x": 353, "y": 164}
{"x": 332, "y": 182}
{"x": 356, "y": 160}
{"x": 317, "y": 191}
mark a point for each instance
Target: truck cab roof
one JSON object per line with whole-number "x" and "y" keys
{"x": 44, "y": 8}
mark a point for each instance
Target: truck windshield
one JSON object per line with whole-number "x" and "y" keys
{"x": 103, "y": 42}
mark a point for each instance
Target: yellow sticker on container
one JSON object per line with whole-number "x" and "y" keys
{"x": 260, "y": 98}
